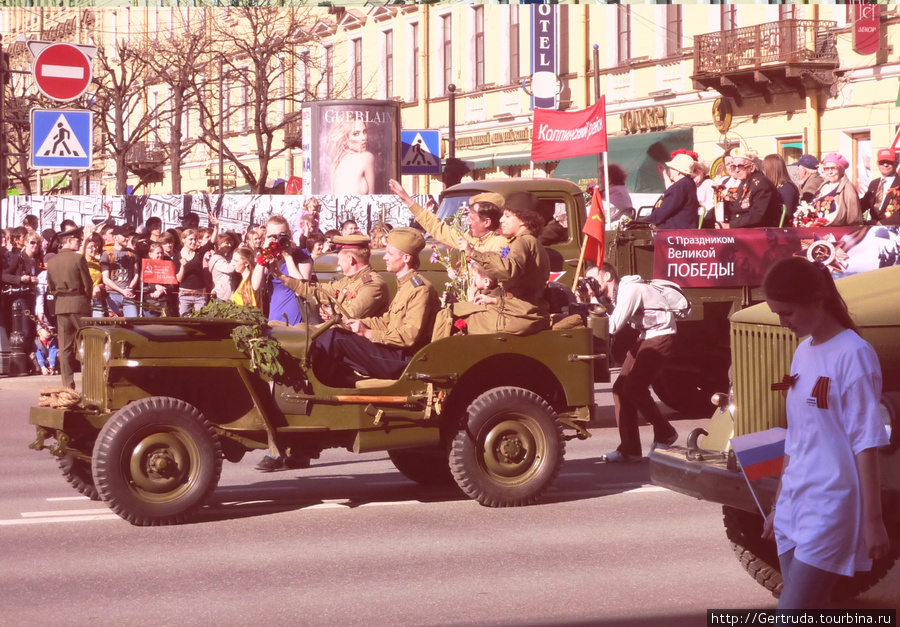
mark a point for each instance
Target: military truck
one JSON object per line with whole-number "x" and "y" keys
{"x": 164, "y": 401}
{"x": 706, "y": 467}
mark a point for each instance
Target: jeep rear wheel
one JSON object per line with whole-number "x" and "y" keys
{"x": 425, "y": 466}
{"x": 510, "y": 450}
{"x": 760, "y": 557}
{"x": 156, "y": 461}
{"x": 78, "y": 473}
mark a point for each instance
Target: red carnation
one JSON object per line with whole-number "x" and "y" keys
{"x": 461, "y": 325}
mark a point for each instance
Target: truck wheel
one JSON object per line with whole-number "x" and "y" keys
{"x": 426, "y": 466}
{"x": 78, "y": 473}
{"x": 760, "y": 557}
{"x": 510, "y": 450}
{"x": 156, "y": 461}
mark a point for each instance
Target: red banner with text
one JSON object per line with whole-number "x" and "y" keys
{"x": 158, "y": 271}
{"x": 559, "y": 135}
{"x": 736, "y": 257}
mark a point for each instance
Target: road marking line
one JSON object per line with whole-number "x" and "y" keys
{"x": 58, "y": 519}
{"x": 68, "y": 498}
{"x": 66, "y": 512}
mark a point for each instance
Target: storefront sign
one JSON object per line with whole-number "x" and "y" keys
{"x": 558, "y": 135}
{"x": 544, "y": 56}
{"x": 866, "y": 29}
{"x": 735, "y": 257}
{"x": 508, "y": 136}
{"x": 643, "y": 120}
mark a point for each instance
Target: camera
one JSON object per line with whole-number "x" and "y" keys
{"x": 590, "y": 286}
{"x": 284, "y": 240}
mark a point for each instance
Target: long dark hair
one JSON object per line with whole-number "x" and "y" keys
{"x": 798, "y": 281}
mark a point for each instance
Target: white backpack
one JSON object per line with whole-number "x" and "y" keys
{"x": 676, "y": 300}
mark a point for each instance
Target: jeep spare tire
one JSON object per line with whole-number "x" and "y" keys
{"x": 510, "y": 449}
{"x": 156, "y": 461}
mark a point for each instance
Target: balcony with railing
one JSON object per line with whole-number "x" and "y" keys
{"x": 146, "y": 159}
{"x": 788, "y": 56}
{"x": 293, "y": 131}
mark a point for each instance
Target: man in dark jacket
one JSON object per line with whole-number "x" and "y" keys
{"x": 679, "y": 207}
{"x": 758, "y": 203}
{"x": 70, "y": 283}
{"x": 882, "y": 198}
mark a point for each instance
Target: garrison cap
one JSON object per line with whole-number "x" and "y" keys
{"x": 352, "y": 241}
{"x": 491, "y": 197}
{"x": 406, "y": 240}
{"x": 745, "y": 153}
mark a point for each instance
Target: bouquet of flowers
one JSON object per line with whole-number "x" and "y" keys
{"x": 270, "y": 253}
{"x": 808, "y": 216}
{"x": 893, "y": 206}
{"x": 455, "y": 262}
{"x": 725, "y": 194}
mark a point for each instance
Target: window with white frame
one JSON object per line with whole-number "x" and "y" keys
{"x": 388, "y": 39}
{"x": 446, "y": 52}
{"x": 414, "y": 62}
{"x": 674, "y": 29}
{"x": 479, "y": 46}
{"x": 623, "y": 33}
{"x": 514, "y": 52}
{"x": 356, "y": 65}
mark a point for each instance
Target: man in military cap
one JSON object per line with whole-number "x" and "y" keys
{"x": 69, "y": 281}
{"x": 382, "y": 346}
{"x": 758, "y": 203}
{"x": 882, "y": 198}
{"x": 483, "y": 220}
{"x": 361, "y": 292}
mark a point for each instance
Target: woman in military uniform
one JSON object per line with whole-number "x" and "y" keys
{"x": 522, "y": 267}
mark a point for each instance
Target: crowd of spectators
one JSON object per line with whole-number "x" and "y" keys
{"x": 747, "y": 191}
{"x": 205, "y": 264}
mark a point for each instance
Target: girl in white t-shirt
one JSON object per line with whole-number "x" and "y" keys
{"x": 827, "y": 521}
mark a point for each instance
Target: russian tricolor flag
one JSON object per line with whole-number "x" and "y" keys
{"x": 760, "y": 454}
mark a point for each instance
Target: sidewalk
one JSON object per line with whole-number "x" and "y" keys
{"x": 35, "y": 382}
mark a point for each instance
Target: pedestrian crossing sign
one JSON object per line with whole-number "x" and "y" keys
{"x": 61, "y": 139}
{"x": 421, "y": 152}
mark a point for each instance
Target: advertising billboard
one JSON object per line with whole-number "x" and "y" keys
{"x": 353, "y": 147}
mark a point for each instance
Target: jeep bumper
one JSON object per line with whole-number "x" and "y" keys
{"x": 708, "y": 480}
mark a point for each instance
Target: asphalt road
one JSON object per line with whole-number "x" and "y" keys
{"x": 351, "y": 542}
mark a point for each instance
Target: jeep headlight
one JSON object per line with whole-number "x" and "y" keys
{"x": 80, "y": 349}
{"x": 107, "y": 350}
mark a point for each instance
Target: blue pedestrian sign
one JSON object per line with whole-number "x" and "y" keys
{"x": 61, "y": 139}
{"x": 421, "y": 152}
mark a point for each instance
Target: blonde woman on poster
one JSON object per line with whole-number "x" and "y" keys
{"x": 352, "y": 165}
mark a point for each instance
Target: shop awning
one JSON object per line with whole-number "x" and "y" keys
{"x": 500, "y": 160}
{"x": 637, "y": 154}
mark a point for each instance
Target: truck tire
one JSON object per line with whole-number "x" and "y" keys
{"x": 426, "y": 466}
{"x": 156, "y": 461}
{"x": 510, "y": 449}
{"x": 78, "y": 473}
{"x": 760, "y": 557}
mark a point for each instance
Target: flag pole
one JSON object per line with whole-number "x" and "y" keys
{"x": 580, "y": 263}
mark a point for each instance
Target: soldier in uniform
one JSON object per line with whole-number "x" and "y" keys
{"x": 757, "y": 201}
{"x": 69, "y": 280}
{"x": 361, "y": 292}
{"x": 522, "y": 266}
{"x": 483, "y": 220}
{"x": 382, "y": 346}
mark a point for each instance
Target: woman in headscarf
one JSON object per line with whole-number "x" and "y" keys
{"x": 837, "y": 199}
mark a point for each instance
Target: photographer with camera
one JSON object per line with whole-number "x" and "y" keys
{"x": 279, "y": 302}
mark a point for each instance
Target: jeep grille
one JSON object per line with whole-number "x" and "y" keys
{"x": 93, "y": 370}
{"x": 761, "y": 356}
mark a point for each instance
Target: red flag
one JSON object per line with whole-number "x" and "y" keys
{"x": 595, "y": 230}
{"x": 159, "y": 271}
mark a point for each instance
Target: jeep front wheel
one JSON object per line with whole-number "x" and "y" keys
{"x": 78, "y": 473}
{"x": 156, "y": 461}
{"x": 510, "y": 450}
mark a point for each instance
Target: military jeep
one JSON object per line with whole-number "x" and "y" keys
{"x": 164, "y": 401}
{"x": 706, "y": 468}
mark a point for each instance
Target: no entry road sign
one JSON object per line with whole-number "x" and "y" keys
{"x": 62, "y": 71}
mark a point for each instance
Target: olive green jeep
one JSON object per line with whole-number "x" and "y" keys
{"x": 163, "y": 401}
{"x": 706, "y": 468}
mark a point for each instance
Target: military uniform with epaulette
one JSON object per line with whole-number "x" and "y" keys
{"x": 361, "y": 294}
{"x": 446, "y": 234}
{"x": 395, "y": 335}
{"x": 69, "y": 280}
